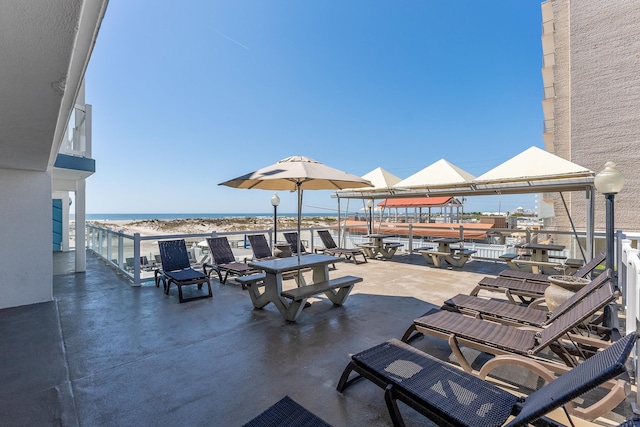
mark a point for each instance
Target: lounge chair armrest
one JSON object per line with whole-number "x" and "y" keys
{"x": 516, "y": 360}
{"x": 590, "y": 341}
{"x": 618, "y": 389}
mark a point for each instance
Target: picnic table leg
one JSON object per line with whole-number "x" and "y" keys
{"x": 340, "y": 296}
{"x": 456, "y": 261}
{"x": 438, "y": 260}
{"x": 272, "y": 290}
{"x": 320, "y": 273}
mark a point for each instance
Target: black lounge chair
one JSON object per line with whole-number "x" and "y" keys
{"x": 286, "y": 412}
{"x": 292, "y": 240}
{"x": 224, "y": 261}
{"x": 514, "y": 314}
{"x": 526, "y": 276}
{"x": 449, "y": 396}
{"x": 176, "y": 269}
{"x": 331, "y": 248}
{"x": 260, "y": 247}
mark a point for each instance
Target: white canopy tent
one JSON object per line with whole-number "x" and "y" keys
{"x": 532, "y": 171}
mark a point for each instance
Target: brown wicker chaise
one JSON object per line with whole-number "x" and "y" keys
{"x": 449, "y": 396}
{"x": 515, "y": 314}
{"x": 584, "y": 271}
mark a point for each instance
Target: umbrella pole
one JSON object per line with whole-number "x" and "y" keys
{"x": 299, "y": 218}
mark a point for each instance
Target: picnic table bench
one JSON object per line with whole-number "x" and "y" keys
{"x": 343, "y": 285}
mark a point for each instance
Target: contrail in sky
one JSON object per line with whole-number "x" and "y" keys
{"x": 229, "y": 38}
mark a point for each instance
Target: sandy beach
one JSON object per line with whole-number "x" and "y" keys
{"x": 207, "y": 225}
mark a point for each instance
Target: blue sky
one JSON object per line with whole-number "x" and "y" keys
{"x": 187, "y": 95}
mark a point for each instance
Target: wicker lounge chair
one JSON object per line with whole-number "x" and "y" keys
{"x": 259, "y": 246}
{"x": 224, "y": 260}
{"x": 494, "y": 338}
{"x": 330, "y": 248}
{"x": 515, "y": 290}
{"x": 584, "y": 271}
{"x": 514, "y": 314}
{"x": 449, "y": 396}
{"x": 177, "y": 270}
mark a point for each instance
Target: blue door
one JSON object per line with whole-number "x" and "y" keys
{"x": 57, "y": 224}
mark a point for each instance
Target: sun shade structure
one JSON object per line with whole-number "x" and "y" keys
{"x": 298, "y": 173}
{"x": 532, "y": 171}
{"x": 439, "y": 174}
{"x": 380, "y": 178}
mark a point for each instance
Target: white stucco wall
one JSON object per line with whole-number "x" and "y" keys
{"x": 26, "y": 257}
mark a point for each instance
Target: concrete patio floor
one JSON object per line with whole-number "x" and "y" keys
{"x": 104, "y": 353}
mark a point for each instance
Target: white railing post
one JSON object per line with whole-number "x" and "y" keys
{"x": 136, "y": 259}
{"x": 120, "y": 250}
{"x": 410, "y": 238}
{"x": 630, "y": 281}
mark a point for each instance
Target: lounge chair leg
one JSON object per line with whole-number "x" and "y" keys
{"x": 392, "y": 406}
{"x": 344, "y": 378}
{"x": 455, "y": 347}
{"x": 408, "y": 337}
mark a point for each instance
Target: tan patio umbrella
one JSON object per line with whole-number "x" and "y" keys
{"x": 298, "y": 173}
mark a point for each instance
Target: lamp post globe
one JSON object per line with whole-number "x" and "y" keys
{"x": 609, "y": 180}
{"x": 275, "y": 201}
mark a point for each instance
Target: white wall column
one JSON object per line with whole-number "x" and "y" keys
{"x": 81, "y": 253}
{"x": 26, "y": 256}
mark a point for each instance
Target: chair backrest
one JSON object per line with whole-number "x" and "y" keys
{"x": 220, "y": 250}
{"x": 259, "y": 246}
{"x": 591, "y": 265}
{"x": 327, "y": 240}
{"x": 173, "y": 255}
{"x": 575, "y": 298}
{"x": 601, "y": 367}
{"x": 292, "y": 239}
{"x": 571, "y": 318}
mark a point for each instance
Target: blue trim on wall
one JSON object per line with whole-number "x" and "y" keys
{"x": 66, "y": 161}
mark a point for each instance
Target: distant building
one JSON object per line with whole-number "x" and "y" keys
{"x": 591, "y": 100}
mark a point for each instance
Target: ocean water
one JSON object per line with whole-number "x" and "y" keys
{"x": 166, "y": 216}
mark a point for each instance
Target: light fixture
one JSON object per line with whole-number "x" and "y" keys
{"x": 275, "y": 201}
{"x": 370, "y": 206}
{"x": 609, "y": 182}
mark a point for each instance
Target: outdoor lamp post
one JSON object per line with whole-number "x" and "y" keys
{"x": 275, "y": 201}
{"x": 609, "y": 182}
{"x": 370, "y": 206}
